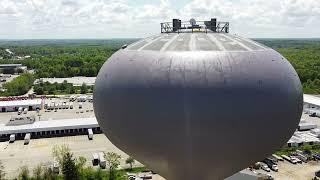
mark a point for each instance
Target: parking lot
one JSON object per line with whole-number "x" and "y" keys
{"x": 288, "y": 171}
{"x": 44, "y": 115}
{"x": 15, "y": 155}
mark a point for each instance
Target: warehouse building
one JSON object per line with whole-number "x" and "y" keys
{"x": 311, "y": 102}
{"x": 75, "y": 81}
{"x": 12, "y": 68}
{"x": 303, "y": 138}
{"x": 11, "y": 106}
{"x": 51, "y": 128}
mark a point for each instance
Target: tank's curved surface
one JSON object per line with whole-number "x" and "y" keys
{"x": 198, "y": 106}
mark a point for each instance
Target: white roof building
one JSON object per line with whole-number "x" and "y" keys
{"x": 310, "y": 99}
{"x": 21, "y": 103}
{"x": 76, "y": 81}
{"x": 50, "y": 125}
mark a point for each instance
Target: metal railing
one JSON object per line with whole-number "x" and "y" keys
{"x": 199, "y": 26}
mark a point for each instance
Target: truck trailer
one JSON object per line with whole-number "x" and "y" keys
{"x": 102, "y": 160}
{"x": 90, "y": 134}
{"x": 27, "y": 138}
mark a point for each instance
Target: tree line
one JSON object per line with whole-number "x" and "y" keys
{"x": 58, "y": 60}
{"x": 63, "y": 61}
{"x": 306, "y": 61}
{"x": 46, "y": 88}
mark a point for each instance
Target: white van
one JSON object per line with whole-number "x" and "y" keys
{"x": 20, "y": 110}
{"x": 90, "y": 134}
{"x": 102, "y": 160}
{"x": 12, "y": 138}
{"x": 27, "y": 138}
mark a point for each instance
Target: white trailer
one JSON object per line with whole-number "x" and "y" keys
{"x": 95, "y": 159}
{"x": 27, "y": 138}
{"x": 82, "y": 98}
{"x": 90, "y": 134}
{"x": 12, "y": 138}
{"x": 25, "y": 111}
{"x": 64, "y": 105}
{"x": 20, "y": 110}
{"x": 102, "y": 160}
{"x": 306, "y": 126}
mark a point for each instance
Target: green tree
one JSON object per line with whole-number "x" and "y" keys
{"x": 130, "y": 161}
{"x": 24, "y": 173}
{"x": 20, "y": 71}
{"x": 80, "y": 163}
{"x": 2, "y": 172}
{"x": 64, "y": 85}
{"x": 38, "y": 90}
{"x": 19, "y": 85}
{"x": 113, "y": 161}
{"x": 48, "y": 174}
{"x": 72, "y": 90}
{"x": 59, "y": 152}
{"x": 98, "y": 175}
{"x": 83, "y": 88}
{"x": 37, "y": 172}
{"x": 69, "y": 168}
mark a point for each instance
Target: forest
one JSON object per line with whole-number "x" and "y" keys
{"x": 67, "y": 58}
{"x": 304, "y": 55}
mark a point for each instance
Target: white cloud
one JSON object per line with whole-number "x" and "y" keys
{"x": 117, "y": 18}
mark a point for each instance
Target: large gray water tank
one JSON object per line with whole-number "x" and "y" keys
{"x": 198, "y": 105}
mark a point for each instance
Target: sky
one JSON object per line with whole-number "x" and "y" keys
{"x": 103, "y": 19}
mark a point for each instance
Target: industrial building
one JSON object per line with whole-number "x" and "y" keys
{"x": 311, "y": 102}
{"x": 12, "y": 68}
{"x": 11, "y": 106}
{"x": 303, "y": 138}
{"x": 51, "y": 128}
{"x": 76, "y": 81}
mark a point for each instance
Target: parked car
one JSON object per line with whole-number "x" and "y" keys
{"x": 296, "y": 159}
{"x": 293, "y": 161}
{"x": 265, "y": 167}
{"x": 316, "y": 156}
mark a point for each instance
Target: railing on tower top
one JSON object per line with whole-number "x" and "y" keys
{"x": 178, "y": 26}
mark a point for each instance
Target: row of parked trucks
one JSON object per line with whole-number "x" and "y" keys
{"x": 27, "y": 137}
{"x": 58, "y": 105}
{"x": 271, "y": 163}
{"x": 21, "y": 110}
